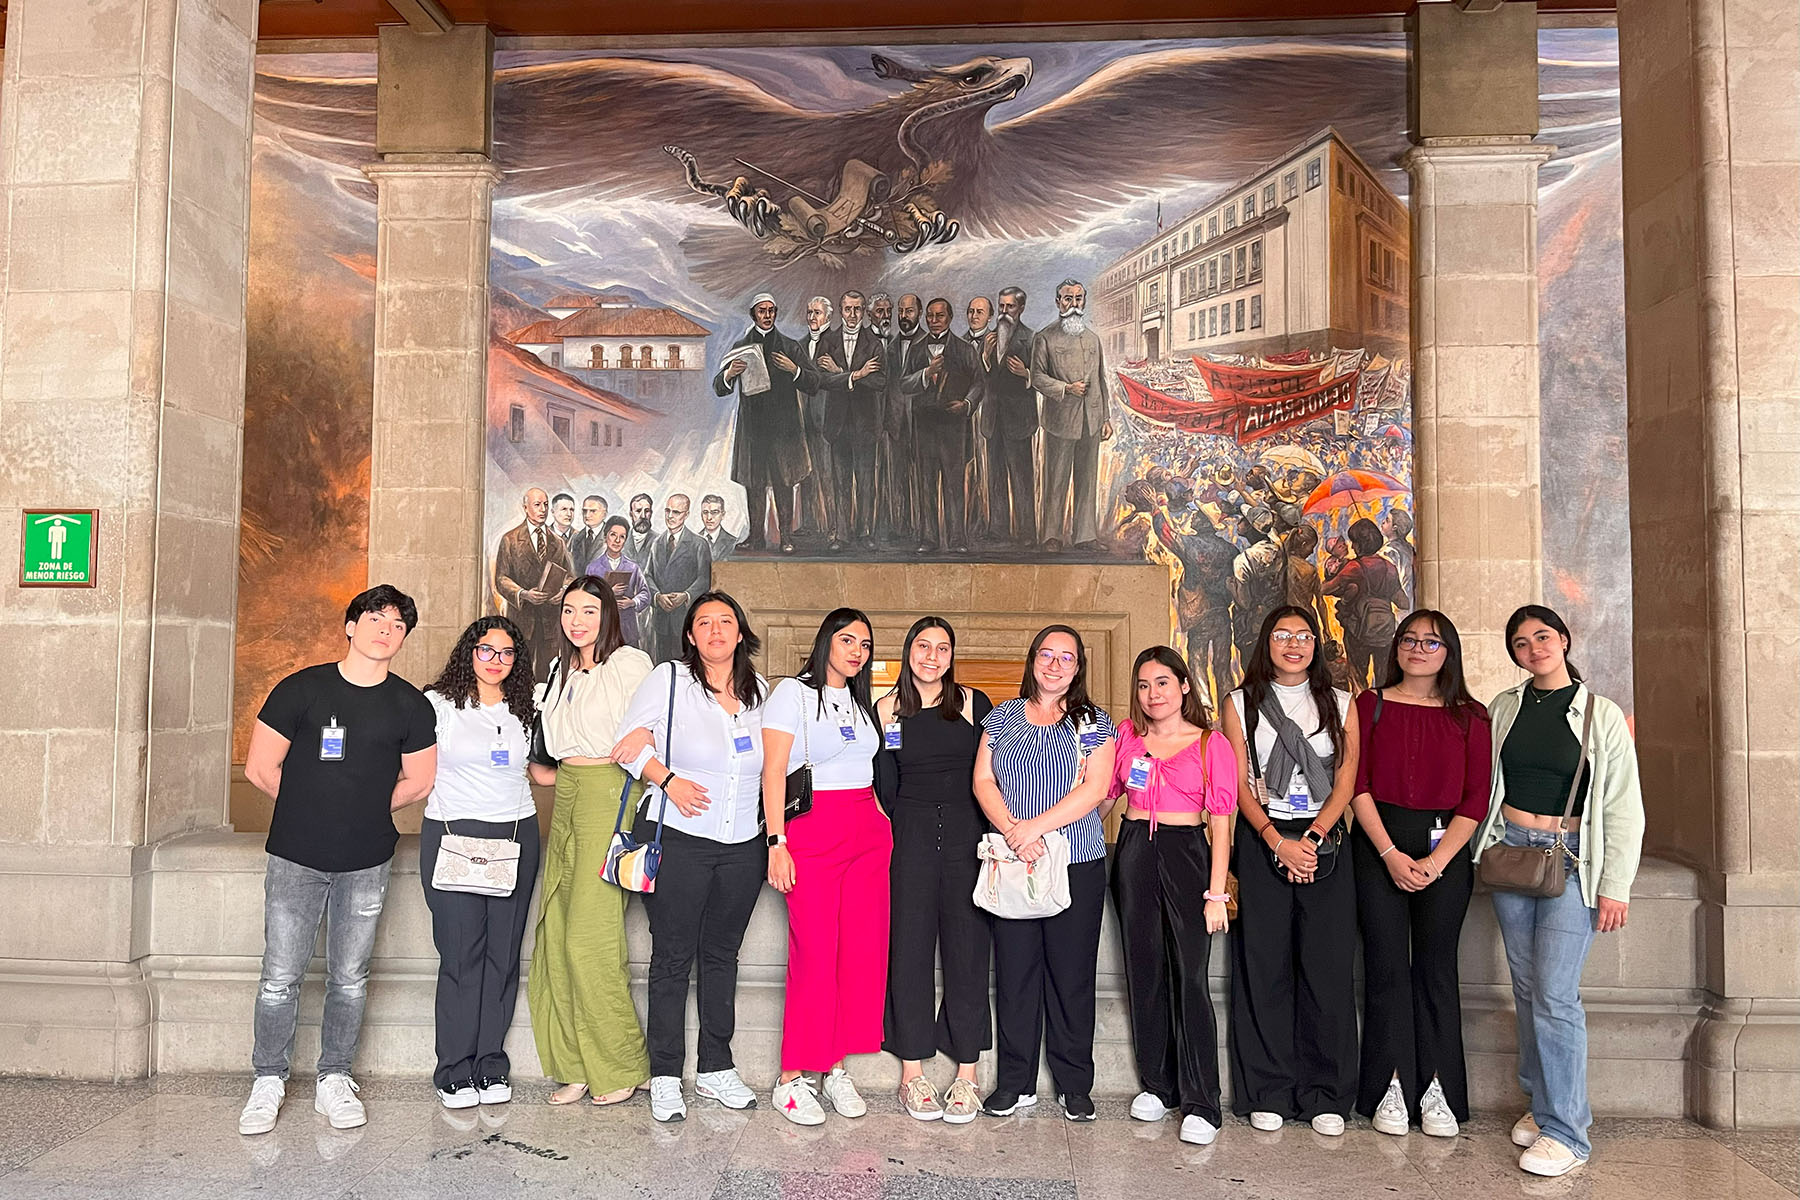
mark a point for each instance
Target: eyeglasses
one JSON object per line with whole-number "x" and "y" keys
{"x": 1429, "y": 645}
{"x": 1287, "y": 637}
{"x": 487, "y": 653}
{"x": 1056, "y": 658}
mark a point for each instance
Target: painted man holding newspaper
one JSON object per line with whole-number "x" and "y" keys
{"x": 768, "y": 370}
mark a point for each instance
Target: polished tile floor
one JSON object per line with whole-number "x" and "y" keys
{"x": 177, "y": 1137}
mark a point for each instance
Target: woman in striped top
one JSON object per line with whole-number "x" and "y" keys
{"x": 1045, "y": 763}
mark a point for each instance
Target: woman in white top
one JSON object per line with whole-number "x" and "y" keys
{"x": 832, "y": 864}
{"x": 580, "y": 991}
{"x": 483, "y": 703}
{"x": 709, "y": 767}
{"x": 1293, "y": 1003}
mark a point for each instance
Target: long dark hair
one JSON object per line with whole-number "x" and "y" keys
{"x": 1537, "y": 612}
{"x": 813, "y": 672}
{"x": 1076, "y": 705}
{"x": 1193, "y": 708}
{"x": 744, "y": 684}
{"x": 457, "y": 684}
{"x": 611, "y": 637}
{"x": 1259, "y": 676}
{"x": 1452, "y": 689}
{"x": 906, "y": 689}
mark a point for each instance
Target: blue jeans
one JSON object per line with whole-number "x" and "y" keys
{"x": 1547, "y": 944}
{"x": 295, "y": 899}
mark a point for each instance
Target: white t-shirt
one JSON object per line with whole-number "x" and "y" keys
{"x": 720, "y": 751}
{"x": 839, "y": 763}
{"x": 481, "y": 767}
{"x": 1292, "y": 800}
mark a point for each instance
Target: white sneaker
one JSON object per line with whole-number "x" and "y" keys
{"x": 1329, "y": 1124}
{"x": 1525, "y": 1130}
{"x": 1268, "y": 1122}
{"x": 336, "y": 1099}
{"x": 798, "y": 1101}
{"x": 1390, "y": 1114}
{"x": 1435, "y": 1117}
{"x": 463, "y": 1096}
{"x": 494, "y": 1091}
{"x": 1148, "y": 1106}
{"x": 727, "y": 1087}
{"x": 666, "y": 1103}
{"x": 266, "y": 1095}
{"x": 1547, "y": 1156}
{"x": 843, "y": 1094}
{"x": 1197, "y": 1130}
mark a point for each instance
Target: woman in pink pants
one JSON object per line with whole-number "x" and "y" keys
{"x": 832, "y": 864}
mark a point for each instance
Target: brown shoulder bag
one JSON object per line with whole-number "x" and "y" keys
{"x": 1537, "y": 870}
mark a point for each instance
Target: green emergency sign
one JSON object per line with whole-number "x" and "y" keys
{"x": 56, "y": 547}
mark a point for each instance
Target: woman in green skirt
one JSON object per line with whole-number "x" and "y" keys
{"x": 588, "y": 1036}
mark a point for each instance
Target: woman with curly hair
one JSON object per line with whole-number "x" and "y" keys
{"x": 483, "y": 703}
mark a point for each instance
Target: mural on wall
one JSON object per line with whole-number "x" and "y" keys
{"x": 1174, "y": 281}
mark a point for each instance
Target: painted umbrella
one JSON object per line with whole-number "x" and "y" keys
{"x": 1292, "y": 457}
{"x": 1353, "y": 487}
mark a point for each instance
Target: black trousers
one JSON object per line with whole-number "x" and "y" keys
{"x": 853, "y": 485}
{"x": 705, "y": 893}
{"x": 940, "y": 460}
{"x": 1293, "y": 997}
{"x": 933, "y": 920}
{"x": 1159, "y": 884}
{"x": 1012, "y": 488}
{"x": 477, "y": 940}
{"x": 1412, "y": 1003}
{"x": 1044, "y": 989}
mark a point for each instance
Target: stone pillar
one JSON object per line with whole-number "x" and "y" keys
{"x": 428, "y": 462}
{"x": 1474, "y": 171}
{"x": 1709, "y": 95}
{"x": 124, "y": 209}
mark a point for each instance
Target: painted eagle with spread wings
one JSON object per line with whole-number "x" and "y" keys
{"x": 1166, "y": 116}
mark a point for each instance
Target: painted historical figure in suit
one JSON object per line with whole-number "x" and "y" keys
{"x": 1009, "y": 420}
{"x": 637, "y": 542}
{"x": 590, "y": 539}
{"x": 903, "y": 522}
{"x": 769, "y": 453}
{"x": 719, "y": 539}
{"x": 854, "y": 385}
{"x": 633, "y": 591}
{"x": 680, "y": 569}
{"x": 815, "y": 514}
{"x": 1068, "y": 368}
{"x": 519, "y": 566}
{"x": 945, "y": 384}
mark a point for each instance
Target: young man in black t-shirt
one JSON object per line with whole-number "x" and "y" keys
{"x": 338, "y": 746}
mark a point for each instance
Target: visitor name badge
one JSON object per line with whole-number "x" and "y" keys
{"x": 1299, "y": 795}
{"x": 849, "y": 732}
{"x": 890, "y": 735}
{"x": 1139, "y": 778}
{"x": 1437, "y": 834}
{"x": 1091, "y": 739}
{"x": 331, "y": 742}
{"x": 498, "y": 754}
{"x": 740, "y": 743}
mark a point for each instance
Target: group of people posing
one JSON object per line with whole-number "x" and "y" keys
{"x": 884, "y": 820}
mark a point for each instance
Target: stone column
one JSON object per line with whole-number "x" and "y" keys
{"x": 1710, "y": 95}
{"x": 428, "y": 463}
{"x": 1475, "y": 323}
{"x": 124, "y": 209}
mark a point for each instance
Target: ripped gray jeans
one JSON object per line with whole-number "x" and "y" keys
{"x": 295, "y": 899}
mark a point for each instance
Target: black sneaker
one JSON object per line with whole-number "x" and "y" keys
{"x": 1005, "y": 1104}
{"x": 1076, "y": 1108}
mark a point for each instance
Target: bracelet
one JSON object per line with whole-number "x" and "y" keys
{"x": 667, "y": 780}
{"x": 1216, "y": 897}
{"x": 1280, "y": 841}
{"x": 1391, "y": 848}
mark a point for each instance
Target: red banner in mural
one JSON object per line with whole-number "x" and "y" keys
{"x": 1227, "y": 382}
{"x": 1240, "y": 414}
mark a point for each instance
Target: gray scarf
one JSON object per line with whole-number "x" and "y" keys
{"x": 1291, "y": 749}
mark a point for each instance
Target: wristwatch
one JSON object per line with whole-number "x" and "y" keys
{"x": 1315, "y": 837}
{"x": 777, "y": 839}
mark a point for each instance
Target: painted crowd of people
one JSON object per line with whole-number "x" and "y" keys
{"x": 882, "y": 820}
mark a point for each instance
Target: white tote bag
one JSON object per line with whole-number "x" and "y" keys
{"x": 1010, "y": 887}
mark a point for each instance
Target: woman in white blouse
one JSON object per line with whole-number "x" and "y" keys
{"x": 580, "y": 992}
{"x": 832, "y": 864}
{"x": 483, "y": 703}
{"x": 708, "y": 762}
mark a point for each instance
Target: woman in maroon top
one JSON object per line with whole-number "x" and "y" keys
{"x": 1421, "y": 792}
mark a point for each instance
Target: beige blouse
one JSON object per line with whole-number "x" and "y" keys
{"x": 582, "y": 719}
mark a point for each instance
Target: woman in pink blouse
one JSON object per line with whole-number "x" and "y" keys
{"x": 1421, "y": 792}
{"x": 1179, "y": 780}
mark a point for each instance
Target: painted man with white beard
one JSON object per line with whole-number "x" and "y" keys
{"x": 1068, "y": 369}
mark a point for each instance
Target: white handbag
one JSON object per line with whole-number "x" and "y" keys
{"x": 482, "y": 866}
{"x": 1010, "y": 887}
